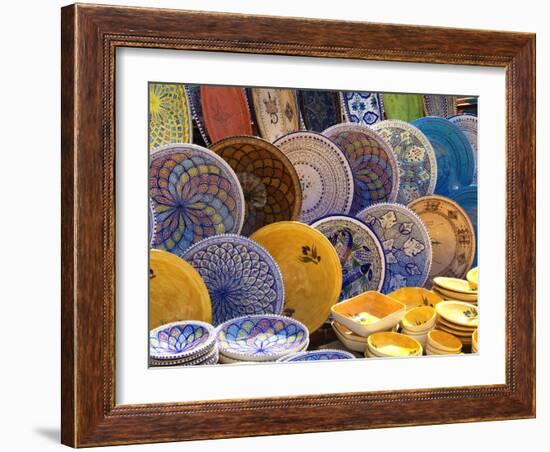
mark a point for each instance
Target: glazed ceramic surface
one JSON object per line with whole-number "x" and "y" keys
{"x": 468, "y": 125}
{"x": 276, "y": 111}
{"x": 473, "y": 278}
{"x": 405, "y": 241}
{"x": 454, "y": 285}
{"x": 362, "y": 107}
{"x": 452, "y": 234}
{"x": 415, "y": 159}
{"x": 194, "y": 96}
{"x": 196, "y": 195}
{"x": 318, "y": 355}
{"x": 179, "y": 339}
{"x": 176, "y": 291}
{"x": 269, "y": 182}
{"x": 310, "y": 266}
{"x": 261, "y": 337}
{"x": 360, "y": 252}
{"x": 372, "y": 162}
{"x": 325, "y": 174}
{"x": 241, "y": 276}
{"x": 466, "y": 197}
{"x": 406, "y": 107}
{"x": 416, "y": 296}
{"x": 152, "y": 228}
{"x": 455, "y": 157}
{"x": 320, "y": 109}
{"x": 393, "y": 345}
{"x": 439, "y": 105}
{"x": 210, "y": 356}
{"x": 443, "y": 342}
{"x": 458, "y": 312}
{"x": 225, "y": 111}
{"x": 169, "y": 115}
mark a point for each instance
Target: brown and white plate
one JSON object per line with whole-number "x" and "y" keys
{"x": 276, "y": 111}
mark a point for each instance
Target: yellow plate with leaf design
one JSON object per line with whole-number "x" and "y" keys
{"x": 310, "y": 266}
{"x": 393, "y": 344}
{"x": 415, "y": 296}
{"x": 460, "y": 286}
{"x": 458, "y": 312}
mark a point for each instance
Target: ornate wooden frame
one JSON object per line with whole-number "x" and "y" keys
{"x": 90, "y": 35}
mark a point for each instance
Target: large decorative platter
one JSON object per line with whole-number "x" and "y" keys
{"x": 406, "y": 107}
{"x": 362, "y": 107}
{"x": 468, "y": 124}
{"x": 176, "y": 291}
{"x": 317, "y": 355}
{"x": 455, "y": 158}
{"x": 415, "y": 158}
{"x": 181, "y": 340}
{"x": 360, "y": 252}
{"x": 405, "y": 242}
{"x": 373, "y": 164}
{"x": 452, "y": 234}
{"x": 439, "y": 105}
{"x": 320, "y": 109}
{"x": 276, "y": 111}
{"x": 196, "y": 195}
{"x": 466, "y": 197}
{"x": 152, "y": 227}
{"x": 194, "y": 96}
{"x": 269, "y": 181}
{"x": 310, "y": 266}
{"x": 169, "y": 115}
{"x": 324, "y": 172}
{"x": 242, "y": 278}
{"x": 261, "y": 337}
{"x": 225, "y": 112}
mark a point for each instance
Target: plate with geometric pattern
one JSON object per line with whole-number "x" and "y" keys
{"x": 363, "y": 108}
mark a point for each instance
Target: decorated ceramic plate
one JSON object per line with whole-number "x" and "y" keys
{"x": 270, "y": 183}
{"x": 261, "y": 337}
{"x": 390, "y": 344}
{"x": 194, "y": 96}
{"x": 241, "y": 276}
{"x": 325, "y": 174}
{"x": 468, "y": 125}
{"x": 455, "y": 158}
{"x": 178, "y": 340}
{"x": 362, "y": 107}
{"x": 439, "y": 105}
{"x": 457, "y": 312}
{"x": 372, "y": 162}
{"x": 196, "y": 195}
{"x": 276, "y": 111}
{"x": 406, "y": 107}
{"x": 152, "y": 229}
{"x": 405, "y": 241}
{"x": 311, "y": 270}
{"x": 320, "y": 109}
{"x": 169, "y": 115}
{"x": 452, "y": 234}
{"x": 318, "y": 355}
{"x": 415, "y": 158}
{"x": 360, "y": 253}
{"x": 209, "y": 356}
{"x": 176, "y": 291}
{"x": 466, "y": 197}
{"x": 225, "y": 111}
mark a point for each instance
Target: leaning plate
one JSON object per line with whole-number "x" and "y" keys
{"x": 317, "y": 355}
{"x": 276, "y": 111}
{"x": 362, "y": 107}
{"x": 452, "y": 233}
{"x": 320, "y": 109}
{"x": 261, "y": 337}
{"x": 466, "y": 197}
{"x": 241, "y": 276}
{"x": 269, "y": 181}
{"x": 373, "y": 164}
{"x": 406, "y": 107}
{"x": 196, "y": 195}
{"x": 405, "y": 242}
{"x": 311, "y": 270}
{"x": 169, "y": 115}
{"x": 415, "y": 158}
{"x": 468, "y": 124}
{"x": 360, "y": 253}
{"x": 178, "y": 340}
{"x": 455, "y": 157}
{"x": 194, "y": 96}
{"x": 176, "y": 291}
{"x": 439, "y": 105}
{"x": 324, "y": 172}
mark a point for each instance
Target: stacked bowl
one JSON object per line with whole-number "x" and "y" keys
{"x": 457, "y": 318}
{"x": 391, "y": 345}
{"x": 442, "y": 343}
{"x": 456, "y": 289}
{"x": 418, "y": 322}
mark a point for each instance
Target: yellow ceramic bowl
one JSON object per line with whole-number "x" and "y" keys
{"x": 458, "y": 312}
{"x": 443, "y": 341}
{"x": 453, "y": 285}
{"x": 418, "y": 319}
{"x": 415, "y": 296}
{"x": 310, "y": 266}
{"x": 472, "y": 278}
{"x": 393, "y": 345}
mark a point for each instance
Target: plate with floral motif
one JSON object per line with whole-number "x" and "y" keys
{"x": 405, "y": 241}
{"x": 276, "y": 111}
{"x": 362, "y": 107}
{"x": 181, "y": 340}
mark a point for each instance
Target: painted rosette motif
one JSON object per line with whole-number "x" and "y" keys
{"x": 405, "y": 241}
{"x": 196, "y": 195}
{"x": 468, "y": 125}
{"x": 179, "y": 340}
{"x": 241, "y": 276}
{"x": 320, "y": 109}
{"x": 415, "y": 158}
{"x": 373, "y": 164}
{"x": 360, "y": 252}
{"x": 169, "y": 115}
{"x": 362, "y": 107}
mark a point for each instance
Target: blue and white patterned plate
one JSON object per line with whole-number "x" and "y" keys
{"x": 196, "y": 195}
{"x": 261, "y": 337}
{"x": 362, "y": 107}
{"x": 466, "y": 197}
{"x": 360, "y": 252}
{"x": 317, "y": 355}
{"x": 405, "y": 241}
{"x": 181, "y": 340}
{"x": 455, "y": 157}
{"x": 241, "y": 276}
{"x": 210, "y": 356}
{"x": 468, "y": 124}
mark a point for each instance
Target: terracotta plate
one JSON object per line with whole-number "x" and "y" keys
{"x": 320, "y": 109}
{"x": 362, "y": 107}
{"x": 406, "y": 107}
{"x": 276, "y": 111}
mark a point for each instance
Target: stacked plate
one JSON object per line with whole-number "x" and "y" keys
{"x": 317, "y": 355}
{"x": 351, "y": 340}
{"x": 457, "y": 318}
{"x": 455, "y": 289}
{"x": 391, "y": 345}
{"x": 260, "y": 338}
{"x": 189, "y": 343}
{"x": 418, "y": 322}
{"x": 442, "y": 343}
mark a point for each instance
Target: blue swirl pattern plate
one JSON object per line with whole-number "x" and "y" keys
{"x": 317, "y": 355}
{"x": 362, "y": 107}
{"x": 241, "y": 276}
{"x": 406, "y": 244}
{"x": 181, "y": 341}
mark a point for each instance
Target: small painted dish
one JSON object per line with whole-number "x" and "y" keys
{"x": 416, "y": 296}
{"x": 419, "y": 319}
{"x": 458, "y": 312}
{"x": 443, "y": 342}
{"x": 389, "y": 344}
{"x": 179, "y": 340}
{"x": 194, "y": 360}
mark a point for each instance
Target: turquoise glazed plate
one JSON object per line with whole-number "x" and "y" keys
{"x": 468, "y": 124}
{"x": 317, "y": 355}
{"x": 466, "y": 197}
{"x": 181, "y": 340}
{"x": 362, "y": 107}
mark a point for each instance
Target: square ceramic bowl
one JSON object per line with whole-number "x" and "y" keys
{"x": 369, "y": 313}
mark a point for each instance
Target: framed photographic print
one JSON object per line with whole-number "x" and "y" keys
{"x": 271, "y": 227}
